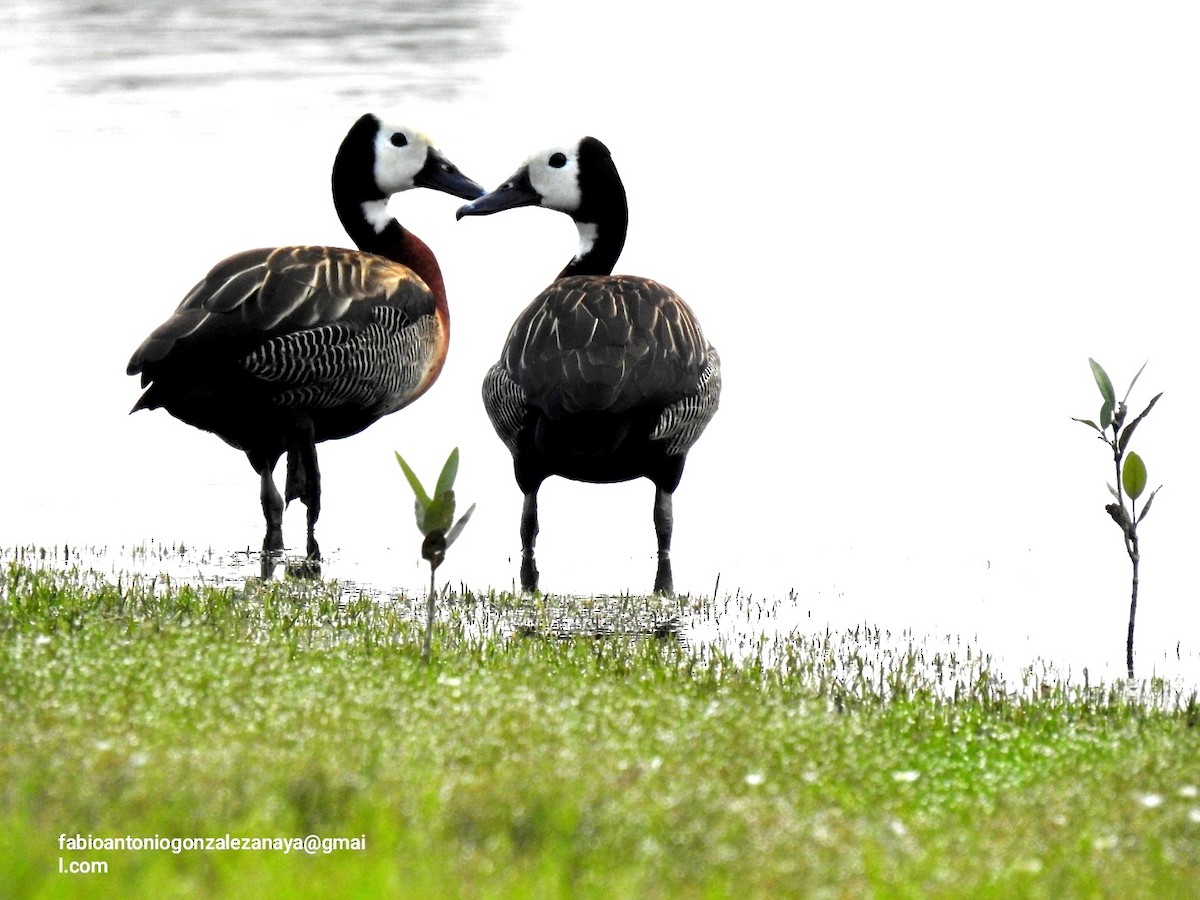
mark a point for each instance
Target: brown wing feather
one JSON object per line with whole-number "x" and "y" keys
{"x": 281, "y": 288}
{"x": 605, "y": 344}
{"x": 326, "y": 326}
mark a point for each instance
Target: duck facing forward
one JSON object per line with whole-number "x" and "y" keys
{"x": 603, "y": 378}
{"x": 280, "y": 348}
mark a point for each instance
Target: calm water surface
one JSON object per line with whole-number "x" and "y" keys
{"x": 920, "y": 243}
{"x": 167, "y": 57}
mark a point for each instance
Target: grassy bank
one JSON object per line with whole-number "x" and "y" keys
{"x": 522, "y": 762}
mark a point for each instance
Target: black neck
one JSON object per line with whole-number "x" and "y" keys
{"x": 599, "y": 255}
{"x": 354, "y": 185}
{"x": 602, "y": 217}
{"x": 388, "y": 241}
{"x": 354, "y": 193}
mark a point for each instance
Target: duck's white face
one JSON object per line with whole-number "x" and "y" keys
{"x": 400, "y": 154}
{"x": 554, "y": 174}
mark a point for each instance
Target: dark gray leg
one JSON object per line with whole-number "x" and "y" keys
{"x": 272, "y": 507}
{"x": 664, "y": 522}
{"x": 304, "y": 480}
{"x": 529, "y": 530}
{"x": 312, "y": 498}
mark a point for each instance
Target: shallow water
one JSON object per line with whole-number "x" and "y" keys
{"x": 904, "y": 245}
{"x": 833, "y": 653}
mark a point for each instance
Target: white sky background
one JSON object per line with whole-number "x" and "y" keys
{"x": 905, "y": 227}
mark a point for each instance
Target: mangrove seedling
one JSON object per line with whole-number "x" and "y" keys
{"x": 1131, "y": 478}
{"x": 434, "y": 517}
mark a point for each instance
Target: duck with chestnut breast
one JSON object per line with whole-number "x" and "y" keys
{"x": 603, "y": 378}
{"x": 278, "y": 349}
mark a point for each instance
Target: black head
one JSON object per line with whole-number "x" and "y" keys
{"x": 379, "y": 158}
{"x": 580, "y": 180}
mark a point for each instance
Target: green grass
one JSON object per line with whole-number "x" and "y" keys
{"x": 547, "y": 752}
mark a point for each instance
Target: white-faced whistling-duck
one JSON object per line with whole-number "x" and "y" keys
{"x": 603, "y": 377}
{"x": 280, "y": 348}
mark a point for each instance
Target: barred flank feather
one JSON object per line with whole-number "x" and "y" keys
{"x": 682, "y": 423}
{"x": 506, "y": 405}
{"x": 376, "y": 367}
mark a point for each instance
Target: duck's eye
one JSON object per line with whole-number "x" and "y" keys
{"x": 558, "y": 160}
{"x": 399, "y": 140}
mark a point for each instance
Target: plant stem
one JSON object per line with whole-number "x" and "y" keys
{"x": 1129, "y": 532}
{"x": 427, "y": 644}
{"x": 1135, "y": 558}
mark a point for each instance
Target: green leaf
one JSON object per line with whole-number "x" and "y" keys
{"x": 439, "y": 513}
{"x": 453, "y": 533}
{"x": 414, "y": 482}
{"x": 1106, "y": 413}
{"x": 1128, "y": 432}
{"x": 1135, "y": 378}
{"x": 1150, "y": 500}
{"x": 449, "y": 472}
{"x": 1088, "y": 422}
{"x": 1133, "y": 476}
{"x": 436, "y": 515}
{"x": 1104, "y": 383}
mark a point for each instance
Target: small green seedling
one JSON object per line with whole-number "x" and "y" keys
{"x": 434, "y": 517}
{"x": 1131, "y": 478}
